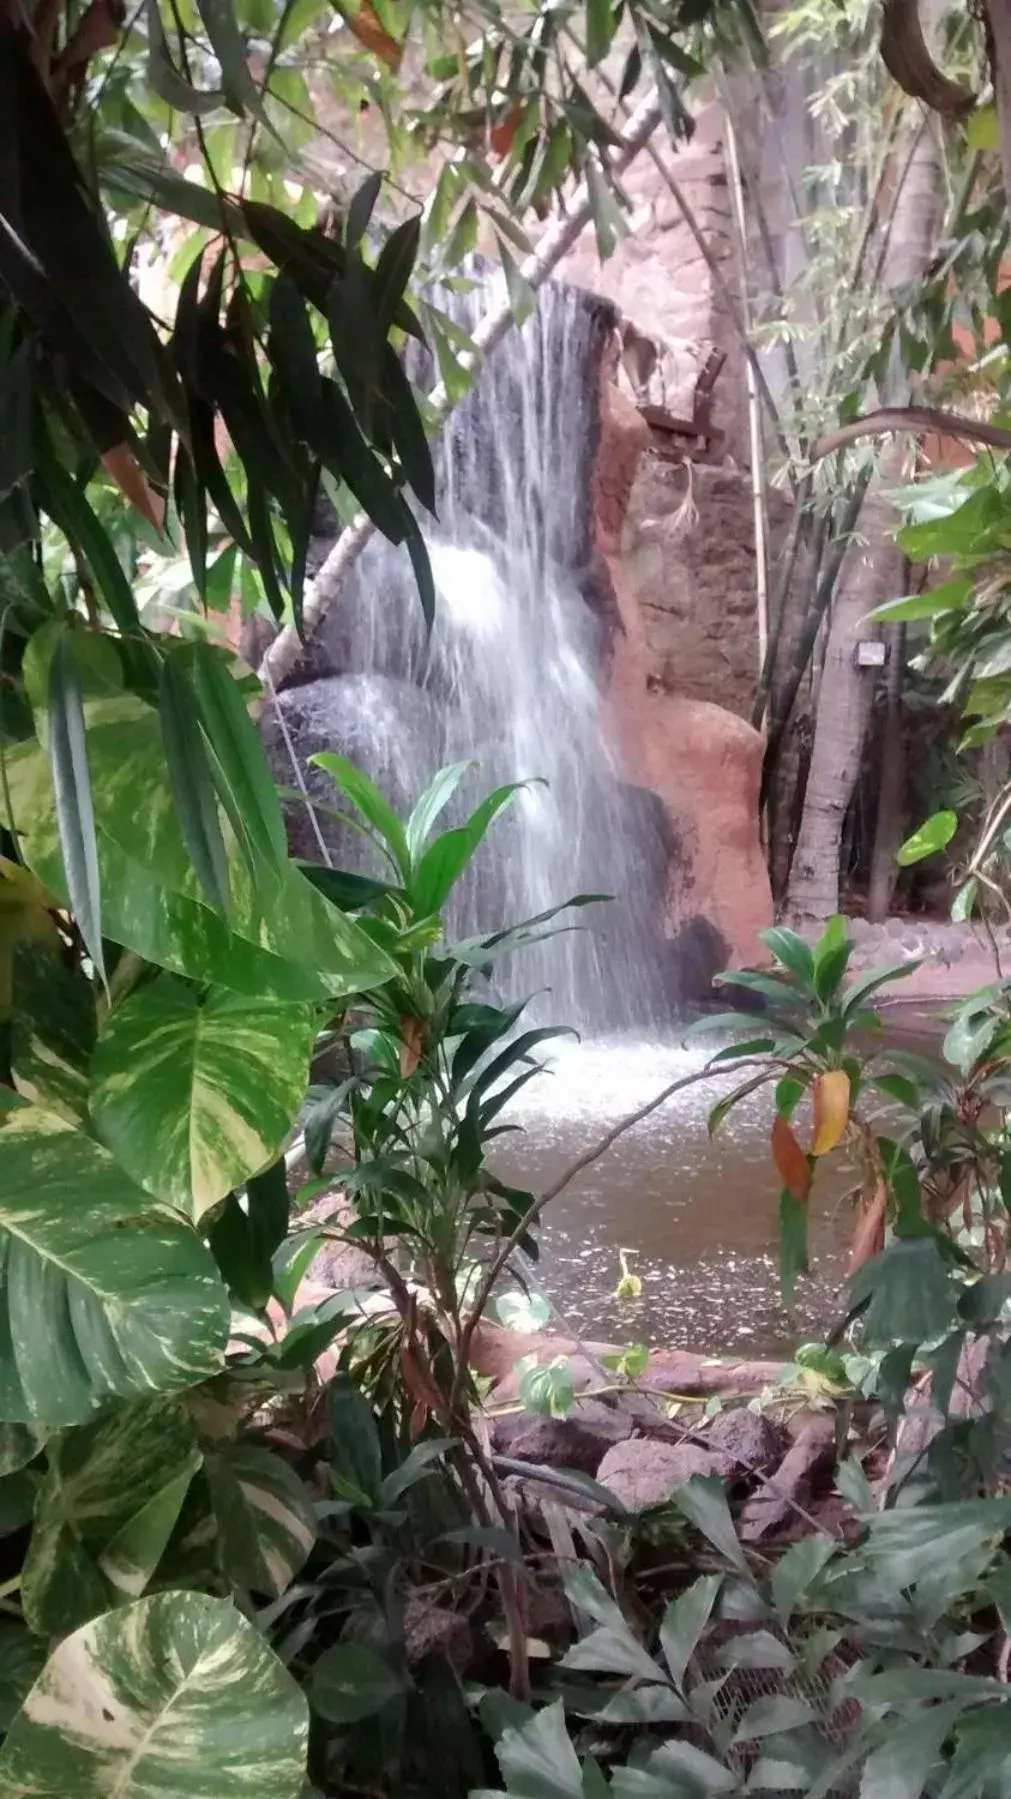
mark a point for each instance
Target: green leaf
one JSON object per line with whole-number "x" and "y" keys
{"x": 195, "y": 1090}
{"x": 229, "y": 46}
{"x": 608, "y": 223}
{"x": 793, "y": 1262}
{"x": 771, "y": 1714}
{"x": 900, "y": 1767}
{"x": 908, "y": 1292}
{"x": 684, "y": 1622}
{"x": 793, "y": 953}
{"x": 948, "y": 596}
{"x": 796, "y": 1571}
{"x": 244, "y": 781}
{"x": 537, "y": 1759}
{"x": 265, "y": 1518}
{"x": 52, "y": 1032}
{"x": 69, "y": 507}
{"x": 192, "y": 782}
{"x": 72, "y": 795}
{"x": 431, "y": 804}
{"x": 442, "y": 865}
{"x": 350, "y": 1682}
{"x": 366, "y": 798}
{"x": 100, "y": 1296}
{"x": 176, "y": 1693}
{"x": 692, "y": 1768}
{"x": 600, "y": 27}
{"x": 934, "y": 835}
{"x": 113, "y": 1490}
{"x": 21, "y": 1661}
{"x": 355, "y": 1453}
{"x": 611, "y": 1649}
{"x": 704, "y": 1504}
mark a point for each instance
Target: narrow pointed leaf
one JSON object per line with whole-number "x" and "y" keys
{"x": 72, "y": 791}
{"x": 192, "y": 783}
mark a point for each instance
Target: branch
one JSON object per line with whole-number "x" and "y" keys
{"x": 912, "y": 418}
{"x": 536, "y": 269}
{"x": 908, "y": 61}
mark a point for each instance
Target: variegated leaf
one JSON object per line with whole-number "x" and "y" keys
{"x": 21, "y": 1661}
{"x": 102, "y": 1294}
{"x": 19, "y": 1445}
{"x": 288, "y": 942}
{"x": 194, "y": 1091}
{"x": 52, "y": 1032}
{"x": 25, "y": 917}
{"x": 175, "y": 1694}
{"x": 105, "y": 1511}
{"x": 266, "y": 1519}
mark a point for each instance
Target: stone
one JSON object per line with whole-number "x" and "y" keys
{"x": 436, "y": 1631}
{"x": 643, "y": 1473}
{"x": 747, "y": 1442}
{"x": 796, "y": 1480}
{"x": 580, "y": 1440}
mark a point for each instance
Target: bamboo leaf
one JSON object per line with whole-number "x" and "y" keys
{"x": 192, "y": 783}
{"x": 72, "y": 792}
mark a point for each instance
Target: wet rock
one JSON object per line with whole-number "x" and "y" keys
{"x": 794, "y": 1483}
{"x": 434, "y": 1630}
{"x": 580, "y": 1440}
{"x": 643, "y": 1473}
{"x": 746, "y": 1442}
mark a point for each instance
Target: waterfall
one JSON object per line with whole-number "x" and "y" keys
{"x": 509, "y": 677}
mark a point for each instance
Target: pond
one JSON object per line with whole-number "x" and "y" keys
{"x": 698, "y": 1219}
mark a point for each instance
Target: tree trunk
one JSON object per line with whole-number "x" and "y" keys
{"x": 892, "y": 787}
{"x": 871, "y": 574}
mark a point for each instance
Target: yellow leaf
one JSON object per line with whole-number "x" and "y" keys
{"x": 830, "y": 1095}
{"x": 25, "y": 916}
{"x": 791, "y": 1163}
{"x": 122, "y": 465}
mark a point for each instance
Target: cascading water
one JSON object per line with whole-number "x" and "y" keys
{"x": 509, "y": 676}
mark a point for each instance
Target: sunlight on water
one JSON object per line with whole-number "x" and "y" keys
{"x": 698, "y": 1216}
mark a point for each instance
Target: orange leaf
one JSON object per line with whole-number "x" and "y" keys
{"x": 122, "y": 465}
{"x": 374, "y": 36}
{"x": 501, "y": 136}
{"x": 412, "y": 1045}
{"x": 831, "y": 1096}
{"x": 869, "y": 1236}
{"x": 791, "y": 1162}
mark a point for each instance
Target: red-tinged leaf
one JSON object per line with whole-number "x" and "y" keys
{"x": 122, "y": 465}
{"x": 412, "y": 1045}
{"x": 501, "y": 136}
{"x": 869, "y": 1235}
{"x": 373, "y": 36}
{"x": 830, "y": 1095}
{"x": 792, "y": 1165}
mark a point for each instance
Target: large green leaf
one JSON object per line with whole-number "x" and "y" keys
{"x": 195, "y": 1090}
{"x": 52, "y": 1032}
{"x": 105, "y": 1511}
{"x": 101, "y": 1294}
{"x": 266, "y": 1519}
{"x": 286, "y": 943}
{"x": 175, "y": 1695}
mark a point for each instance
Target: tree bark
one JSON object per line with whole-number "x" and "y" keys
{"x": 892, "y": 787}
{"x": 871, "y": 574}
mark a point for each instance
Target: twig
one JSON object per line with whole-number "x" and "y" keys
{"x": 497, "y": 322}
{"x": 911, "y": 418}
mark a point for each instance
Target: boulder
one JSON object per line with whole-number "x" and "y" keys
{"x": 643, "y": 1473}
{"x": 795, "y": 1482}
{"x": 580, "y": 1440}
{"x": 748, "y": 1443}
{"x": 435, "y": 1630}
